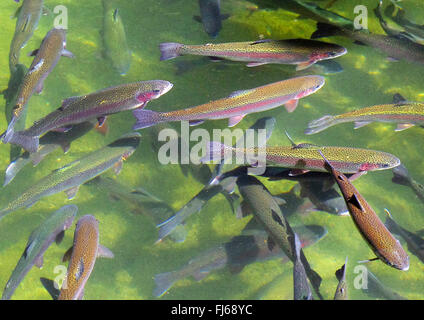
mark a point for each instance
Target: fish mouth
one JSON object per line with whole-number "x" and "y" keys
{"x": 164, "y": 87}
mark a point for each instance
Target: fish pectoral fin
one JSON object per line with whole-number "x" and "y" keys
{"x": 403, "y": 126}
{"x": 16, "y": 14}
{"x": 235, "y": 269}
{"x": 304, "y": 65}
{"x": 360, "y": 124}
{"x": 39, "y": 262}
{"x": 68, "y": 254}
{"x": 235, "y": 120}
{"x": 33, "y": 53}
{"x": 71, "y": 193}
{"x": 297, "y": 172}
{"x": 46, "y": 11}
{"x": 197, "y": 18}
{"x": 200, "y": 274}
{"x": 279, "y": 200}
{"x": 101, "y": 121}
{"x": 65, "y": 145}
{"x": 195, "y": 122}
{"x": 81, "y": 295}
{"x": 291, "y": 105}
{"x": 117, "y": 167}
{"x": 103, "y": 252}
{"x": 60, "y": 237}
{"x": 271, "y": 243}
{"x": 255, "y": 64}
{"x": 67, "y": 53}
{"x": 353, "y": 200}
{"x": 369, "y": 260}
{"x": 39, "y": 88}
{"x": 51, "y": 288}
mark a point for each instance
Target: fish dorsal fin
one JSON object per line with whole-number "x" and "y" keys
{"x": 103, "y": 252}
{"x": 240, "y": 93}
{"x": 260, "y": 41}
{"x": 294, "y": 145}
{"x": 399, "y": 99}
{"x": 353, "y": 200}
{"x": 68, "y": 101}
{"x": 50, "y": 286}
{"x": 68, "y": 254}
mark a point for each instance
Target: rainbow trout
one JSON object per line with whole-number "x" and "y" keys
{"x": 396, "y": 48}
{"x": 406, "y": 114}
{"x": 46, "y": 58}
{"x": 76, "y": 173}
{"x": 374, "y": 232}
{"x": 115, "y": 39}
{"x": 83, "y": 254}
{"x": 252, "y": 246}
{"x": 305, "y": 157}
{"x": 301, "y": 52}
{"x": 238, "y": 104}
{"x": 48, "y": 143}
{"x": 52, "y": 229}
{"x": 96, "y": 105}
{"x": 28, "y": 15}
{"x": 268, "y": 214}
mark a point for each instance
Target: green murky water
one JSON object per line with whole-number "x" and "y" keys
{"x": 368, "y": 79}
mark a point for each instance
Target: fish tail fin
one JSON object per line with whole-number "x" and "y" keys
{"x": 29, "y": 143}
{"x": 163, "y": 282}
{"x": 145, "y": 118}
{"x": 320, "y": 124}
{"x": 325, "y": 30}
{"x": 166, "y": 227}
{"x": 169, "y": 50}
{"x": 215, "y": 151}
{"x": 4, "y": 212}
{"x": 11, "y": 171}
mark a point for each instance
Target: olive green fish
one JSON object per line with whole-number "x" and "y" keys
{"x": 115, "y": 39}
{"x": 406, "y": 114}
{"x": 269, "y": 215}
{"x": 46, "y": 58}
{"x": 72, "y": 175}
{"x": 52, "y": 229}
{"x": 394, "y": 47}
{"x": 28, "y": 15}
{"x": 301, "y": 52}
{"x": 375, "y": 233}
{"x": 11, "y": 95}
{"x": 83, "y": 255}
{"x": 301, "y": 288}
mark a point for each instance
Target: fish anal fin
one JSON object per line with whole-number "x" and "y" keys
{"x": 255, "y": 64}
{"x": 39, "y": 262}
{"x": 304, "y": 65}
{"x": 103, "y": 252}
{"x": 72, "y": 192}
{"x": 60, "y": 237}
{"x": 360, "y": 124}
{"x": 68, "y": 254}
{"x": 291, "y": 105}
{"x": 403, "y": 126}
{"x": 235, "y": 120}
